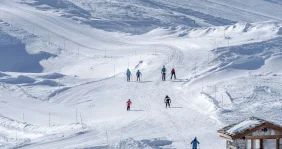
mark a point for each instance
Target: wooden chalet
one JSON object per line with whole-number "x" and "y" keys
{"x": 252, "y": 133}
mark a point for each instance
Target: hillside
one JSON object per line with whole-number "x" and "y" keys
{"x": 63, "y": 62}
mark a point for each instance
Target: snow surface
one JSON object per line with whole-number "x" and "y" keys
{"x": 63, "y": 64}
{"x": 245, "y": 125}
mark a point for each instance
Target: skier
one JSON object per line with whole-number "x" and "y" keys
{"x": 173, "y": 73}
{"x": 195, "y": 143}
{"x": 128, "y": 74}
{"x": 128, "y": 104}
{"x": 138, "y": 74}
{"x": 163, "y": 73}
{"x": 167, "y": 101}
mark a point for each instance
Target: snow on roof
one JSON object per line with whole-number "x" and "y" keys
{"x": 245, "y": 125}
{"x": 240, "y": 127}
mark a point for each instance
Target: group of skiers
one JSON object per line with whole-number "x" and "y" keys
{"x": 164, "y": 73}
{"x": 139, "y": 74}
{"x": 167, "y": 100}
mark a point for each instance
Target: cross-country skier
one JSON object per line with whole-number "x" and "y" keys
{"x": 128, "y": 74}
{"x": 173, "y": 73}
{"x": 138, "y": 74}
{"x": 128, "y": 104}
{"x": 163, "y": 73}
{"x": 195, "y": 143}
{"x": 167, "y": 101}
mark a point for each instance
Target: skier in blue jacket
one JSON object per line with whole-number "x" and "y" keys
{"x": 138, "y": 74}
{"x": 163, "y": 73}
{"x": 128, "y": 74}
{"x": 195, "y": 143}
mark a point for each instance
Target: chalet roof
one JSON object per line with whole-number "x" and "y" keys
{"x": 235, "y": 131}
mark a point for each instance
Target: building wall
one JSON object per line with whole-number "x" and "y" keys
{"x": 268, "y": 132}
{"x": 237, "y": 144}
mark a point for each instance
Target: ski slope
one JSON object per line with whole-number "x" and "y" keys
{"x": 63, "y": 64}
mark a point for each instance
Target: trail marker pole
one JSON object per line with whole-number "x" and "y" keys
{"x": 107, "y": 138}
{"x": 208, "y": 58}
{"x": 105, "y": 53}
{"x": 114, "y": 70}
{"x": 202, "y": 87}
{"x": 81, "y": 121}
{"x": 64, "y": 44}
{"x": 76, "y": 115}
{"x": 23, "y": 118}
{"x": 78, "y": 49}
{"x": 195, "y": 67}
{"x": 16, "y": 136}
{"x": 33, "y": 29}
{"x": 215, "y": 92}
{"x": 222, "y": 100}
{"x": 49, "y": 37}
{"x": 49, "y": 120}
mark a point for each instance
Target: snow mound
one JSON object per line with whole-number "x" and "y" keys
{"x": 66, "y": 8}
{"x": 131, "y": 143}
{"x": 14, "y": 56}
{"x": 53, "y": 76}
{"x": 143, "y": 144}
{"x": 3, "y": 74}
{"x": 279, "y": 31}
{"x": 251, "y": 63}
{"x": 47, "y": 83}
{"x": 11, "y": 124}
{"x": 19, "y": 80}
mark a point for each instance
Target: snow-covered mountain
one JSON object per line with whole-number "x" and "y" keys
{"x": 63, "y": 62}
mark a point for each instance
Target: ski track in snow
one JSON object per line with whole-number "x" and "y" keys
{"x": 86, "y": 107}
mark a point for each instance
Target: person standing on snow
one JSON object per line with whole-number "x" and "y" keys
{"x": 173, "y": 73}
{"x": 195, "y": 143}
{"x": 163, "y": 73}
{"x": 128, "y": 104}
{"x": 167, "y": 101}
{"x": 128, "y": 74}
{"x": 138, "y": 74}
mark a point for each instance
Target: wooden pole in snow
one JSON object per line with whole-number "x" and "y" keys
{"x": 76, "y": 115}
{"x": 81, "y": 121}
{"x": 49, "y": 120}
{"x": 107, "y": 138}
{"x": 222, "y": 100}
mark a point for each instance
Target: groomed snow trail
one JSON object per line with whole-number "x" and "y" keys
{"x": 79, "y": 99}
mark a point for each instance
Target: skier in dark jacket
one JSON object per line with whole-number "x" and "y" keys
{"x": 138, "y": 74}
{"x": 195, "y": 143}
{"x": 173, "y": 73}
{"x": 163, "y": 73}
{"x": 128, "y": 74}
{"x": 167, "y": 101}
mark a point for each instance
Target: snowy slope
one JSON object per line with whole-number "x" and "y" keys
{"x": 63, "y": 63}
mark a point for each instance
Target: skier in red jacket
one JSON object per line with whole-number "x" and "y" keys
{"x": 173, "y": 73}
{"x": 128, "y": 104}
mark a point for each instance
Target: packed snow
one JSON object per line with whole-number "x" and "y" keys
{"x": 63, "y": 63}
